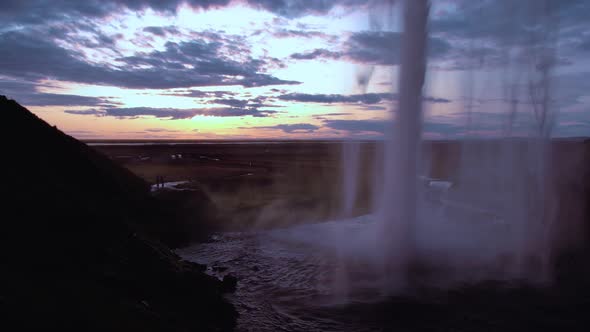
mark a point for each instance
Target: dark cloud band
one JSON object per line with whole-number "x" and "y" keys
{"x": 173, "y": 113}
{"x": 187, "y": 64}
{"x": 367, "y": 98}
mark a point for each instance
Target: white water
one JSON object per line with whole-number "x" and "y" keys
{"x": 168, "y": 185}
{"x": 303, "y": 278}
{"x": 351, "y": 162}
{"x": 498, "y": 218}
{"x": 398, "y": 202}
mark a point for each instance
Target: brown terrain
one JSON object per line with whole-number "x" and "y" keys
{"x": 274, "y": 184}
{"x": 270, "y": 184}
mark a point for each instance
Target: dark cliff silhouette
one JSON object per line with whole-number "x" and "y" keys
{"x": 82, "y": 242}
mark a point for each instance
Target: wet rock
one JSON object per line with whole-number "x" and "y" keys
{"x": 190, "y": 214}
{"x": 194, "y": 266}
{"x": 229, "y": 284}
{"x": 219, "y": 268}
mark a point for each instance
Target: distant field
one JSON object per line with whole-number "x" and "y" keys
{"x": 275, "y": 183}
{"x": 253, "y": 183}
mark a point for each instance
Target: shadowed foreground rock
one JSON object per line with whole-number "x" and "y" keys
{"x": 80, "y": 243}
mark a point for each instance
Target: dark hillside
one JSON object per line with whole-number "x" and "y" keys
{"x": 81, "y": 243}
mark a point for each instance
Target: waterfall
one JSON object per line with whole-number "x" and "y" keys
{"x": 397, "y": 215}
{"x": 493, "y": 215}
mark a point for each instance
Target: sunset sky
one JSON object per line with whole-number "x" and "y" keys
{"x": 306, "y": 69}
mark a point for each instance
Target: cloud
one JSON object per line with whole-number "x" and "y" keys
{"x": 508, "y": 21}
{"x": 162, "y": 31}
{"x": 325, "y": 116}
{"x": 290, "y": 33}
{"x": 484, "y": 30}
{"x": 373, "y": 47}
{"x": 570, "y": 88}
{"x": 161, "y": 130}
{"x": 572, "y": 123}
{"x": 206, "y": 61}
{"x": 252, "y": 103}
{"x": 355, "y": 127}
{"x": 435, "y": 100}
{"x": 174, "y": 113}
{"x": 290, "y": 128}
{"x": 366, "y": 98}
{"x": 318, "y": 53}
{"x": 358, "y": 126}
{"x": 186, "y": 64}
{"x": 26, "y": 93}
{"x": 475, "y": 32}
{"x": 53, "y": 99}
{"x": 373, "y": 108}
{"x": 199, "y": 94}
{"x": 440, "y": 128}
{"x": 21, "y": 12}
{"x": 35, "y": 12}
{"x": 81, "y": 132}
{"x": 92, "y": 111}
{"x": 298, "y": 8}
{"x": 230, "y": 102}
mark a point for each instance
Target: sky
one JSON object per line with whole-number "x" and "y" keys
{"x": 293, "y": 69}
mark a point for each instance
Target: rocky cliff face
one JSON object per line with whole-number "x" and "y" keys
{"x": 81, "y": 244}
